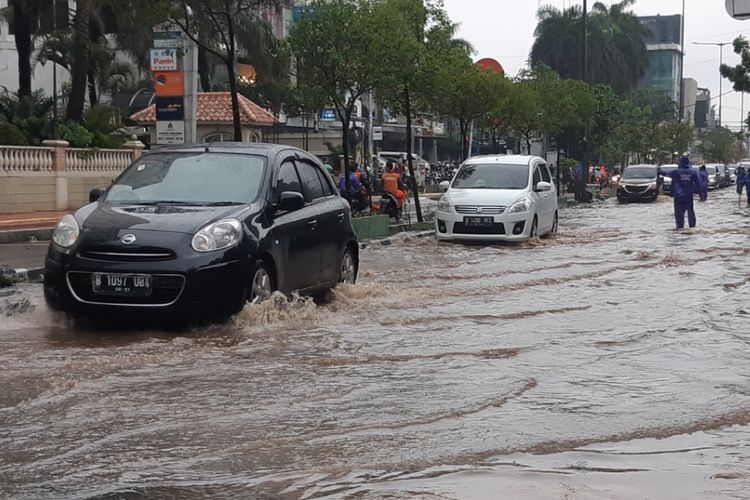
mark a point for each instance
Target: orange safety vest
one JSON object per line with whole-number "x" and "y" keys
{"x": 390, "y": 182}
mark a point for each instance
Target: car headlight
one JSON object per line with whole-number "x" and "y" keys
{"x": 443, "y": 204}
{"x": 520, "y": 206}
{"x": 217, "y": 236}
{"x": 652, "y": 186}
{"x": 66, "y": 232}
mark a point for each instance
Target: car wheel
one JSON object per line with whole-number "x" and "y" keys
{"x": 261, "y": 284}
{"x": 534, "y": 228}
{"x": 554, "y": 225}
{"x": 348, "y": 273}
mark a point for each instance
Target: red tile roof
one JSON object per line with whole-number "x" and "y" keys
{"x": 216, "y": 107}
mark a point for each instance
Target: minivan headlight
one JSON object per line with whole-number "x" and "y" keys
{"x": 217, "y": 236}
{"x": 444, "y": 205}
{"x": 520, "y": 206}
{"x": 66, "y": 232}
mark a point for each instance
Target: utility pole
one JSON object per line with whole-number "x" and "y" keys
{"x": 581, "y": 191}
{"x": 682, "y": 63}
{"x": 55, "y": 130}
{"x": 721, "y": 61}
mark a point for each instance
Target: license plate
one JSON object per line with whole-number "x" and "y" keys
{"x": 479, "y": 221}
{"x": 128, "y": 285}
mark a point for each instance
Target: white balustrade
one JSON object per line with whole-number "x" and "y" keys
{"x": 97, "y": 160}
{"x": 16, "y": 160}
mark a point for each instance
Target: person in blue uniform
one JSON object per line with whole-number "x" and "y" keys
{"x": 685, "y": 182}
{"x": 743, "y": 181}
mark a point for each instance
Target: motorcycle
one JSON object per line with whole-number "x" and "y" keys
{"x": 391, "y": 206}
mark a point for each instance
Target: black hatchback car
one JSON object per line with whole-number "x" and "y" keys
{"x": 639, "y": 183}
{"x": 203, "y": 228}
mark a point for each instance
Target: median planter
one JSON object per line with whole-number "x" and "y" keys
{"x": 372, "y": 226}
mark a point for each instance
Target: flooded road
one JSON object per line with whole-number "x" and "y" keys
{"x": 612, "y": 361}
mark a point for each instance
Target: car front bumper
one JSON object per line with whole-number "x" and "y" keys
{"x": 635, "y": 194}
{"x": 505, "y": 227}
{"x": 189, "y": 286}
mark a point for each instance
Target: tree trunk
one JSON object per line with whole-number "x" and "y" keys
{"x": 231, "y": 73}
{"x": 22, "y": 35}
{"x": 414, "y": 188}
{"x": 93, "y": 97}
{"x": 464, "y": 140}
{"x": 80, "y": 66}
{"x": 345, "y": 122}
{"x": 204, "y": 70}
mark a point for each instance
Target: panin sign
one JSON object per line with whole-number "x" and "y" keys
{"x": 163, "y": 60}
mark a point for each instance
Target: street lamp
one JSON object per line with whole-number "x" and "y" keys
{"x": 721, "y": 61}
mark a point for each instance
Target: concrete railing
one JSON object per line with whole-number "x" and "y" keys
{"x": 24, "y": 159}
{"x": 57, "y": 177}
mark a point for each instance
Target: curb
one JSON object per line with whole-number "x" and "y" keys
{"x": 391, "y": 239}
{"x": 25, "y": 235}
{"x": 24, "y": 275}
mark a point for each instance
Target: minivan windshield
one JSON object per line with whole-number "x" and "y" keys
{"x": 639, "y": 173}
{"x": 492, "y": 176}
{"x": 190, "y": 179}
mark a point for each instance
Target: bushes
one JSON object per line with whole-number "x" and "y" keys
{"x": 10, "y": 135}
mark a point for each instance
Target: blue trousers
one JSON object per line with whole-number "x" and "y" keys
{"x": 680, "y": 206}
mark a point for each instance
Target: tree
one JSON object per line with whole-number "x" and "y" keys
{"x": 674, "y": 139}
{"x": 739, "y": 75}
{"x": 79, "y": 69}
{"x": 616, "y": 54}
{"x": 421, "y": 41}
{"x": 24, "y": 12}
{"x": 213, "y": 25}
{"x": 719, "y": 146}
{"x": 337, "y": 44}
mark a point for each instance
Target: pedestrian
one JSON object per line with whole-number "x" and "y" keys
{"x": 685, "y": 182}
{"x": 743, "y": 181}
{"x": 703, "y": 176}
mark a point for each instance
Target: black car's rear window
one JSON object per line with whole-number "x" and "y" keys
{"x": 190, "y": 178}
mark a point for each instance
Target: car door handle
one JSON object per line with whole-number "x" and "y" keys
{"x": 313, "y": 223}
{"x": 340, "y": 216}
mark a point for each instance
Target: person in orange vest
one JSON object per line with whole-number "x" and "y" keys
{"x": 603, "y": 176}
{"x": 393, "y": 184}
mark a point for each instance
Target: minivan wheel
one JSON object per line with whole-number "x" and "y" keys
{"x": 534, "y": 228}
{"x": 261, "y": 284}
{"x": 348, "y": 268}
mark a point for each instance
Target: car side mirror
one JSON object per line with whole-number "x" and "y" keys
{"x": 290, "y": 201}
{"x": 543, "y": 186}
{"x": 443, "y": 186}
{"x": 95, "y": 194}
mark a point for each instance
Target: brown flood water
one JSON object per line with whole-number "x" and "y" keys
{"x": 611, "y": 361}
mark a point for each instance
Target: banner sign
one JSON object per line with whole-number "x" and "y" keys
{"x": 377, "y": 133}
{"x": 163, "y": 59}
{"x": 170, "y": 132}
{"x": 328, "y": 114}
{"x": 168, "y": 39}
{"x": 169, "y": 83}
{"x": 170, "y": 108}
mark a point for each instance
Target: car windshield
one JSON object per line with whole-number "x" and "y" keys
{"x": 639, "y": 173}
{"x": 492, "y": 176}
{"x": 711, "y": 170}
{"x": 190, "y": 179}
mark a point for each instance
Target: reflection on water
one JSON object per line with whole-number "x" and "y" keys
{"x": 607, "y": 362}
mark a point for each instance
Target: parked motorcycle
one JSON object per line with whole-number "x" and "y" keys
{"x": 391, "y": 206}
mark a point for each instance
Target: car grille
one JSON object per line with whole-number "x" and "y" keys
{"x": 119, "y": 254}
{"x": 166, "y": 289}
{"x": 477, "y": 209}
{"x": 637, "y": 189}
{"x": 461, "y": 228}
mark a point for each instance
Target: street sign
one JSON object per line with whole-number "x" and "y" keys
{"x": 377, "y": 133}
{"x": 328, "y": 114}
{"x": 170, "y": 108}
{"x": 168, "y": 39}
{"x": 170, "y": 132}
{"x": 168, "y": 83}
{"x": 163, "y": 59}
{"x": 738, "y": 9}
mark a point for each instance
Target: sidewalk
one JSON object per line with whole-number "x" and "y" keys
{"x": 26, "y": 227}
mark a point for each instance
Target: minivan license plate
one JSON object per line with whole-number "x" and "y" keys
{"x": 128, "y": 285}
{"x": 479, "y": 221}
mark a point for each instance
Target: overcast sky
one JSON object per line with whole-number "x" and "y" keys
{"x": 503, "y": 29}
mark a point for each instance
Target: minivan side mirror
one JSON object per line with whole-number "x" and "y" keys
{"x": 443, "y": 186}
{"x": 543, "y": 186}
{"x": 290, "y": 201}
{"x": 95, "y": 194}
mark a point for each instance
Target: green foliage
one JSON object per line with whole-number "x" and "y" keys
{"x": 616, "y": 52}
{"x": 719, "y": 146}
{"x": 76, "y": 134}
{"x": 31, "y": 115}
{"x": 11, "y": 135}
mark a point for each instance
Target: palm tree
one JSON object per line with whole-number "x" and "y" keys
{"x": 617, "y": 54}
{"x": 79, "y": 68}
{"x": 23, "y": 16}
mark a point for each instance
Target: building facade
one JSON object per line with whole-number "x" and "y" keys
{"x": 664, "y": 45}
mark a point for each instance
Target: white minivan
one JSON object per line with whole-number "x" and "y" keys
{"x": 498, "y": 198}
